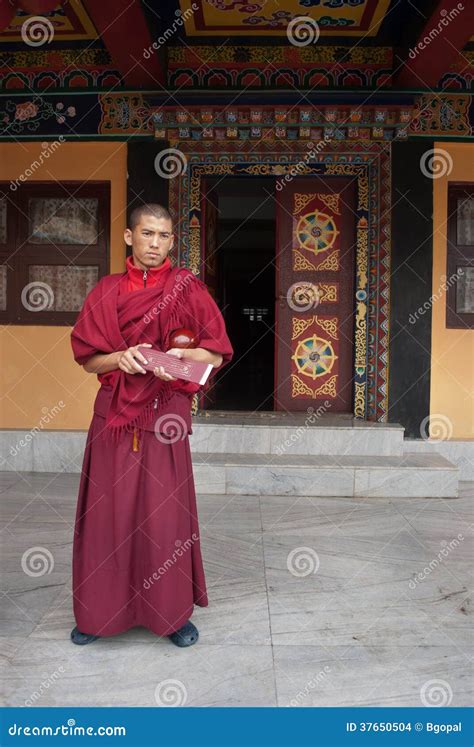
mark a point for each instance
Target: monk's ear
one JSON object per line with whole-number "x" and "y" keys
{"x": 127, "y": 234}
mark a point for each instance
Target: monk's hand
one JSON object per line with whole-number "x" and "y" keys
{"x": 160, "y": 371}
{"x": 128, "y": 359}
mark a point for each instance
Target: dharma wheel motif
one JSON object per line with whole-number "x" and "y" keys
{"x": 314, "y": 356}
{"x": 316, "y": 231}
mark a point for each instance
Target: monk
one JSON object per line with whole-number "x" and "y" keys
{"x": 136, "y": 554}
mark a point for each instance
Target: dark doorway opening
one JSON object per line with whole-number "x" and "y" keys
{"x": 245, "y": 289}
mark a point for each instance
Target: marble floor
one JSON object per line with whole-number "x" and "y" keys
{"x": 313, "y": 602}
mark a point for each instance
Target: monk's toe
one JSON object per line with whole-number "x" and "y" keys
{"x": 187, "y": 635}
{"x": 80, "y": 639}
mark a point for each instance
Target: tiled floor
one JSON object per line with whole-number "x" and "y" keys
{"x": 310, "y": 604}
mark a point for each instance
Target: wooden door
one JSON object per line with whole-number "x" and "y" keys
{"x": 316, "y": 232}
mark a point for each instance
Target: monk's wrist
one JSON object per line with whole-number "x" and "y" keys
{"x": 203, "y": 355}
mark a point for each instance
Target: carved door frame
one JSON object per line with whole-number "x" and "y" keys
{"x": 369, "y": 163}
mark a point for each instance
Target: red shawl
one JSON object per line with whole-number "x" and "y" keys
{"x": 109, "y": 322}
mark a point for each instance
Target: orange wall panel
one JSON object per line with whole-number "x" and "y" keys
{"x": 452, "y": 350}
{"x": 41, "y": 384}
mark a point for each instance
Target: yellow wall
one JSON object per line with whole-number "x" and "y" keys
{"x": 38, "y": 372}
{"x": 452, "y": 352}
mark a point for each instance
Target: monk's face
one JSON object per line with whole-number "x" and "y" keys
{"x": 151, "y": 241}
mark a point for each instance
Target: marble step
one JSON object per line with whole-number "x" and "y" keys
{"x": 410, "y": 475}
{"x": 356, "y": 437}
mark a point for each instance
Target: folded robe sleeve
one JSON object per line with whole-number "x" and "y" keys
{"x": 90, "y": 334}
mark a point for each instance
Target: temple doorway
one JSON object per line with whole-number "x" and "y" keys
{"x": 280, "y": 260}
{"x": 242, "y": 275}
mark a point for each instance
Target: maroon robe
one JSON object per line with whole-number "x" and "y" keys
{"x": 136, "y": 554}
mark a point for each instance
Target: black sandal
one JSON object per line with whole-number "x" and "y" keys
{"x": 187, "y": 635}
{"x": 80, "y": 639}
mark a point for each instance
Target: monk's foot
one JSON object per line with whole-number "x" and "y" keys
{"x": 80, "y": 639}
{"x": 187, "y": 635}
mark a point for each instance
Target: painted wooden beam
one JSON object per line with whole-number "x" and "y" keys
{"x": 124, "y": 31}
{"x": 439, "y": 44}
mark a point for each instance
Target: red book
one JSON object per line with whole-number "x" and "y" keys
{"x": 180, "y": 368}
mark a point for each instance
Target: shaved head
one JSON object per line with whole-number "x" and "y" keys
{"x": 150, "y": 208}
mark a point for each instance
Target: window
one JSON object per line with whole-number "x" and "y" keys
{"x": 54, "y": 247}
{"x": 460, "y": 256}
